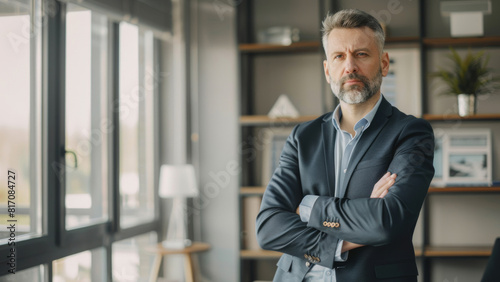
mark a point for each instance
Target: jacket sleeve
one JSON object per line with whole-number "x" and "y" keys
{"x": 379, "y": 221}
{"x": 279, "y": 228}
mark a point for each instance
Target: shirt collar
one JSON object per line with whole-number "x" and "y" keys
{"x": 364, "y": 122}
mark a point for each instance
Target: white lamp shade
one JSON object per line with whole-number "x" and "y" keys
{"x": 177, "y": 181}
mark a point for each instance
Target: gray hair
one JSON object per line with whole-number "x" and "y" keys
{"x": 352, "y": 18}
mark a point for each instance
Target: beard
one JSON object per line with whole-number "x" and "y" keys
{"x": 356, "y": 94}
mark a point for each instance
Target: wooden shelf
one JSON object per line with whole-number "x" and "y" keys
{"x": 457, "y": 251}
{"x": 307, "y": 46}
{"x": 267, "y": 121}
{"x": 429, "y": 252}
{"x": 402, "y": 39}
{"x": 418, "y": 251}
{"x": 402, "y": 42}
{"x": 478, "y": 189}
{"x": 453, "y": 117}
{"x": 462, "y": 42}
{"x": 252, "y": 190}
{"x": 259, "y": 254}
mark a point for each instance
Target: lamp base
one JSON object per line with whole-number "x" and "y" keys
{"x": 176, "y": 244}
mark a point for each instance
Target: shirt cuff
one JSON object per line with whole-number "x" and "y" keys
{"x": 339, "y": 256}
{"x": 306, "y": 207}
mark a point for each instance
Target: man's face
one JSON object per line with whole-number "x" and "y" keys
{"x": 354, "y": 68}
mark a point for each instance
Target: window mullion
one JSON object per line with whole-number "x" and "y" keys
{"x": 55, "y": 127}
{"x": 36, "y": 212}
{"x": 115, "y": 135}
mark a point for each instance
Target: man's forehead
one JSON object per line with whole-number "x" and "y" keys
{"x": 360, "y": 37}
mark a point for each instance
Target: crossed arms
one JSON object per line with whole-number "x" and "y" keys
{"x": 380, "y": 189}
{"x": 364, "y": 221}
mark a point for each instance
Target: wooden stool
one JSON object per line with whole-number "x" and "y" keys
{"x": 188, "y": 259}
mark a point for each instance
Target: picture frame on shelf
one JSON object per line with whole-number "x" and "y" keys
{"x": 274, "y": 140}
{"x": 463, "y": 158}
{"x": 437, "y": 181}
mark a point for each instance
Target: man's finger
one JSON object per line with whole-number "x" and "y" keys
{"x": 378, "y": 192}
{"x": 382, "y": 180}
{"x": 382, "y": 186}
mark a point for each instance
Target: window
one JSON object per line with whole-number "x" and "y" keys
{"x": 87, "y": 122}
{"x": 85, "y": 266}
{"x": 131, "y": 261}
{"x": 20, "y": 119}
{"x": 33, "y": 274}
{"x": 136, "y": 125}
{"x": 78, "y": 141}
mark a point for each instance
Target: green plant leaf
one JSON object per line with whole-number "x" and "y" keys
{"x": 467, "y": 75}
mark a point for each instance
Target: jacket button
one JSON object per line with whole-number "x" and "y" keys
{"x": 308, "y": 264}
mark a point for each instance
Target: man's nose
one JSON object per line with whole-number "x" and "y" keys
{"x": 351, "y": 66}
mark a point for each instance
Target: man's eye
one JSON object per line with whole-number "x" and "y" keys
{"x": 362, "y": 54}
{"x": 338, "y": 57}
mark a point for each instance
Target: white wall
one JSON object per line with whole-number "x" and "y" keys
{"x": 214, "y": 89}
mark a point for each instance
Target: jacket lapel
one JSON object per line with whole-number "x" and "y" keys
{"x": 329, "y": 150}
{"x": 380, "y": 119}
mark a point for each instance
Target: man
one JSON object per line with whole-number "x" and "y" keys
{"x": 357, "y": 177}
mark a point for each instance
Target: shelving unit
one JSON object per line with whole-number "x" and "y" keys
{"x": 418, "y": 37}
{"x": 450, "y": 252}
{"x": 257, "y": 264}
{"x": 455, "y": 252}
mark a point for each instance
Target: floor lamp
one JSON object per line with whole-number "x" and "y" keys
{"x": 177, "y": 182}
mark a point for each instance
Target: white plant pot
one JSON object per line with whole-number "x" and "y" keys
{"x": 466, "y": 105}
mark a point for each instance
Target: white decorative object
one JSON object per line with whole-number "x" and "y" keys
{"x": 283, "y": 107}
{"x": 466, "y": 105}
{"x": 282, "y": 35}
{"x": 177, "y": 182}
{"x": 465, "y": 24}
{"x": 466, "y": 17}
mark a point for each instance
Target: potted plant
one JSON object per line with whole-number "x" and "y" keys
{"x": 467, "y": 78}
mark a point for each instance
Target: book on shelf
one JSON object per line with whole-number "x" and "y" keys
{"x": 251, "y": 207}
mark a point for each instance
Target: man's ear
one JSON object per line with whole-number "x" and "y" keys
{"x": 385, "y": 62}
{"x": 327, "y": 72}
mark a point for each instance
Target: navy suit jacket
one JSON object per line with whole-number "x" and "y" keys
{"x": 394, "y": 142}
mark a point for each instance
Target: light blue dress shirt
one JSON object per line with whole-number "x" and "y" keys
{"x": 345, "y": 144}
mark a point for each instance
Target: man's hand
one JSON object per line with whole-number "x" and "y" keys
{"x": 380, "y": 189}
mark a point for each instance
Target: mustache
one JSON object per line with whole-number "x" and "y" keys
{"x": 350, "y": 76}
